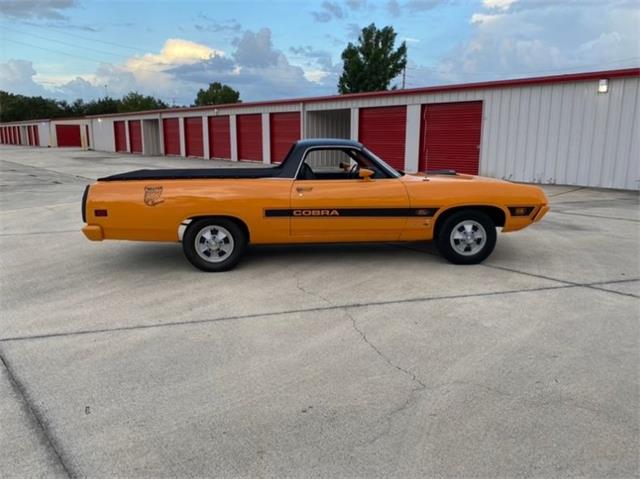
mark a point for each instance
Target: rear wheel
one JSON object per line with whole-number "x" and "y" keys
{"x": 466, "y": 237}
{"x": 214, "y": 244}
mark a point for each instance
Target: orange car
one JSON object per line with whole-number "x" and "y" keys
{"x": 326, "y": 191}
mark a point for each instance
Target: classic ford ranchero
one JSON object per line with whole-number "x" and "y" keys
{"x": 325, "y": 191}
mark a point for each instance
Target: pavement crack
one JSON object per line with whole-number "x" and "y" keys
{"x": 37, "y": 416}
{"x": 419, "y": 385}
{"x": 274, "y": 313}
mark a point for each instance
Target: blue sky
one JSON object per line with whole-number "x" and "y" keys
{"x": 276, "y": 49}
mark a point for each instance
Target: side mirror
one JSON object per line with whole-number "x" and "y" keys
{"x": 365, "y": 174}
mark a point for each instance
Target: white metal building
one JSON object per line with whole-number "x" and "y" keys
{"x": 575, "y": 129}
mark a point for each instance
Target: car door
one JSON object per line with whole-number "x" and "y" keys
{"x": 346, "y": 209}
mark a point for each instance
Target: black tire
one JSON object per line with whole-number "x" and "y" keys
{"x": 450, "y": 248}
{"x": 238, "y": 241}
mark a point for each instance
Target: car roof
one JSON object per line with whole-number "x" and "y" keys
{"x": 319, "y": 142}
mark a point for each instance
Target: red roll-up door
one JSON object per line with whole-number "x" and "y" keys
{"x": 120, "y": 135}
{"x": 9, "y": 135}
{"x": 2, "y": 135}
{"x": 29, "y": 135}
{"x": 219, "y": 137}
{"x": 249, "y": 128}
{"x": 36, "y": 136}
{"x": 68, "y": 135}
{"x": 450, "y": 137}
{"x": 284, "y": 129}
{"x": 17, "y": 136}
{"x": 193, "y": 137}
{"x": 135, "y": 136}
{"x": 171, "y": 135}
{"x": 383, "y": 130}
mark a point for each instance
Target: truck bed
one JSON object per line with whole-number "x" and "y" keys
{"x": 194, "y": 173}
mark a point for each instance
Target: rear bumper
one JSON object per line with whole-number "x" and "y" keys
{"x": 93, "y": 232}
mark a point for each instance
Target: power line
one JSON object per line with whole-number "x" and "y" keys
{"x": 75, "y": 55}
{"x": 64, "y": 32}
{"x": 84, "y": 47}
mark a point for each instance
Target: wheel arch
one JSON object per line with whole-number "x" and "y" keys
{"x": 238, "y": 221}
{"x": 497, "y": 214}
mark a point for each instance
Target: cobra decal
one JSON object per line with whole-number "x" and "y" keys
{"x": 351, "y": 212}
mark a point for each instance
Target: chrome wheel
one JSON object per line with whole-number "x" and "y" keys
{"x": 468, "y": 237}
{"x": 214, "y": 243}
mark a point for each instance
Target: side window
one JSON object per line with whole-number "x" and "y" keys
{"x": 336, "y": 164}
{"x": 327, "y": 160}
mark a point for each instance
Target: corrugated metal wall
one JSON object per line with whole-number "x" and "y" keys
{"x": 328, "y": 124}
{"x": 564, "y": 133}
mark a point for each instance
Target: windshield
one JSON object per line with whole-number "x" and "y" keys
{"x": 392, "y": 171}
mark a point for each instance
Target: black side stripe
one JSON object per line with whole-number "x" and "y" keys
{"x": 351, "y": 212}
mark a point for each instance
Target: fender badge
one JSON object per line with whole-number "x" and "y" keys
{"x": 152, "y": 196}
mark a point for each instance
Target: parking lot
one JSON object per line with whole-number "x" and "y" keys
{"x": 121, "y": 359}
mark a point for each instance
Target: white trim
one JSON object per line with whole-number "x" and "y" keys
{"x": 355, "y": 124}
{"x": 233, "y": 133}
{"x": 412, "y": 138}
{"x": 266, "y": 139}
{"x": 127, "y": 140}
{"x": 183, "y": 145}
{"x": 205, "y": 137}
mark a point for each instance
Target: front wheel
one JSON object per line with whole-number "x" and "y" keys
{"x": 214, "y": 244}
{"x": 466, "y": 237}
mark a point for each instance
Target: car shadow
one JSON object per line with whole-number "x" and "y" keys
{"x": 162, "y": 257}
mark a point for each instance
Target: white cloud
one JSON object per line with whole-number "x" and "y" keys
{"x": 484, "y": 17}
{"x": 255, "y": 68}
{"x": 16, "y": 76}
{"x": 527, "y": 38}
{"x": 175, "y": 51}
{"x": 499, "y": 4}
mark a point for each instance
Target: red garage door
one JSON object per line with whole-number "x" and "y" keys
{"x": 450, "y": 137}
{"x": 36, "y": 136}
{"x": 2, "y": 135}
{"x": 171, "y": 136}
{"x": 249, "y": 137}
{"x": 193, "y": 137}
{"x": 17, "y": 136}
{"x": 135, "y": 136}
{"x": 382, "y": 130}
{"x": 68, "y": 135}
{"x": 29, "y": 135}
{"x": 120, "y": 136}
{"x": 284, "y": 129}
{"x": 219, "y": 137}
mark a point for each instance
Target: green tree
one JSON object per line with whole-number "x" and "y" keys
{"x": 102, "y": 106}
{"x": 217, "y": 94}
{"x": 134, "y": 102}
{"x": 370, "y": 65}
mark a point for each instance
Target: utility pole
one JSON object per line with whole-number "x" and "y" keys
{"x": 404, "y": 76}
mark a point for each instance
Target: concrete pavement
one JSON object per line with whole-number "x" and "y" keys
{"x": 120, "y": 359}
